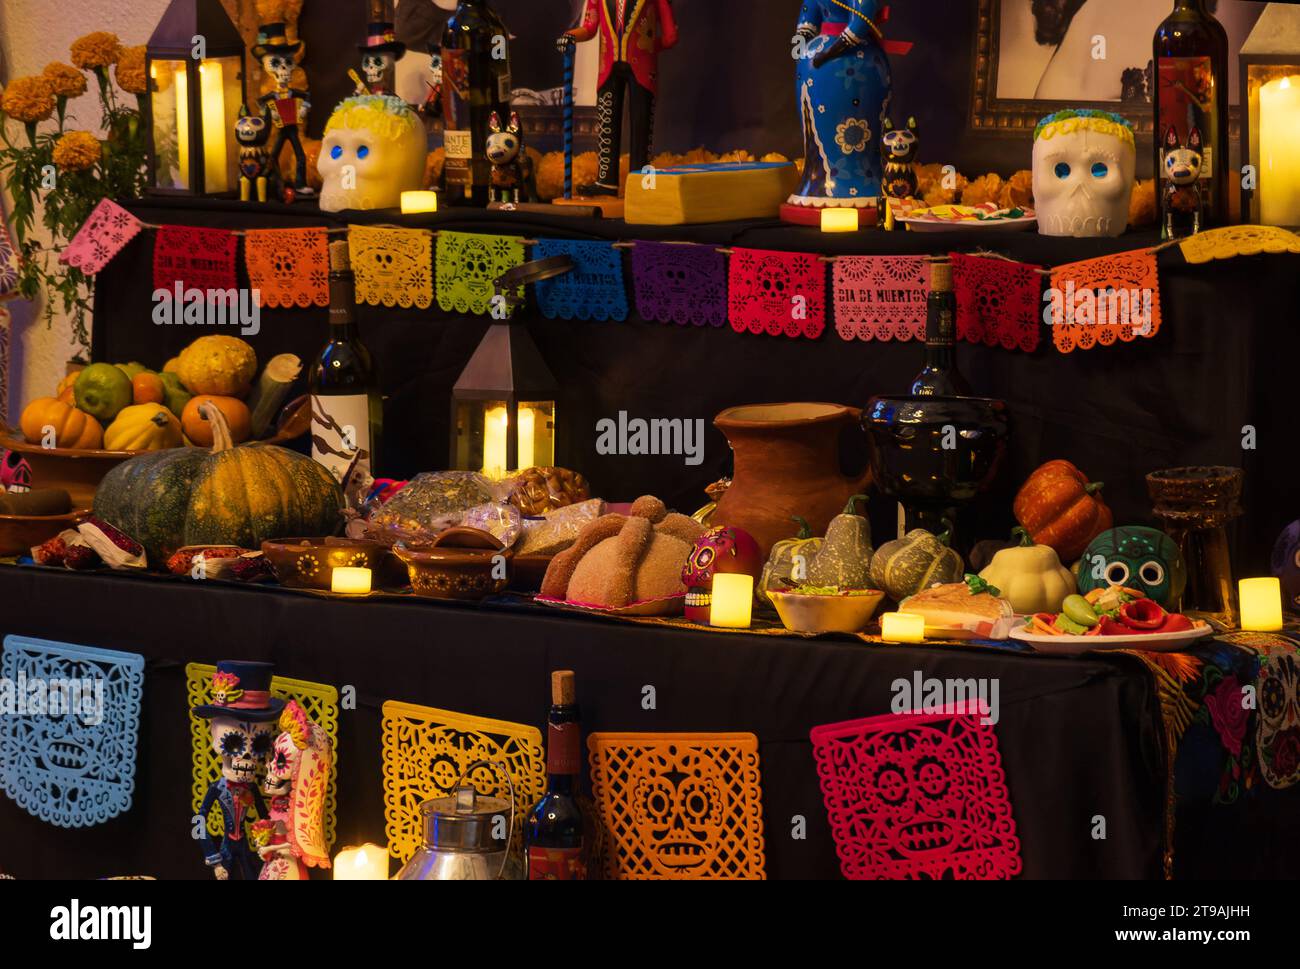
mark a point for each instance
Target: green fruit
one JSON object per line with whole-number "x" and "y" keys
{"x": 1067, "y": 625}
{"x": 175, "y": 396}
{"x": 101, "y": 391}
{"x": 1079, "y": 610}
{"x": 132, "y": 369}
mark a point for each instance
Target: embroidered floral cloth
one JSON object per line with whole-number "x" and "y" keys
{"x": 392, "y": 267}
{"x": 1100, "y": 301}
{"x": 881, "y": 297}
{"x": 680, "y": 283}
{"x": 777, "y": 293}
{"x": 288, "y": 267}
{"x": 998, "y": 302}
{"x": 100, "y": 238}
{"x": 592, "y": 290}
{"x": 9, "y": 260}
{"x": 468, "y": 265}
{"x": 195, "y": 258}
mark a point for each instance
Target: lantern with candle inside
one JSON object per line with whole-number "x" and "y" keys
{"x": 733, "y": 600}
{"x": 369, "y": 862}
{"x": 839, "y": 220}
{"x": 1261, "y": 604}
{"x": 503, "y": 405}
{"x": 194, "y": 102}
{"x": 416, "y": 202}
{"x": 902, "y": 627}
{"x": 350, "y": 580}
{"x": 1270, "y": 118}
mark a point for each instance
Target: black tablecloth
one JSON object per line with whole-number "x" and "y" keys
{"x": 1079, "y": 738}
{"x": 1221, "y": 361}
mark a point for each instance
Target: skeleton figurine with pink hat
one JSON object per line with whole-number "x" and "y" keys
{"x": 379, "y": 54}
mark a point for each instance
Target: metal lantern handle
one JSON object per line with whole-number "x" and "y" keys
{"x": 510, "y": 785}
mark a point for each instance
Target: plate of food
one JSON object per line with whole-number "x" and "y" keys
{"x": 1114, "y": 617}
{"x": 970, "y": 609}
{"x": 951, "y": 218}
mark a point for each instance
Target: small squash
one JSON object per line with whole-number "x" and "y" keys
{"x": 914, "y": 562}
{"x": 1058, "y": 506}
{"x": 196, "y": 427}
{"x": 1030, "y": 577}
{"x": 844, "y": 559}
{"x": 72, "y": 428}
{"x": 223, "y": 366}
{"x": 788, "y": 557}
{"x": 143, "y": 427}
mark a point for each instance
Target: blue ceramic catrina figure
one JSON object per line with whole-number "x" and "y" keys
{"x": 1138, "y": 558}
{"x": 1286, "y": 562}
{"x": 843, "y": 93}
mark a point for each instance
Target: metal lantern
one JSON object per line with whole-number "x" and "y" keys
{"x": 195, "y": 65}
{"x": 503, "y": 405}
{"x": 1270, "y": 126}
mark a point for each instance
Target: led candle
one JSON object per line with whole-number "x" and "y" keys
{"x": 733, "y": 600}
{"x": 419, "y": 202}
{"x": 902, "y": 627}
{"x": 350, "y": 581}
{"x": 496, "y": 425}
{"x": 182, "y": 89}
{"x": 1279, "y": 152}
{"x": 839, "y": 220}
{"x": 1261, "y": 604}
{"x": 367, "y": 863}
{"x": 212, "y": 90}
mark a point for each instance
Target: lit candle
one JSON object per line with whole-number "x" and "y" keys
{"x": 182, "y": 90}
{"x": 419, "y": 202}
{"x": 1261, "y": 604}
{"x": 1279, "y": 152}
{"x": 902, "y": 627}
{"x": 527, "y": 432}
{"x": 212, "y": 91}
{"x": 350, "y": 581}
{"x": 496, "y": 425}
{"x": 733, "y": 600}
{"x": 367, "y": 863}
{"x": 839, "y": 220}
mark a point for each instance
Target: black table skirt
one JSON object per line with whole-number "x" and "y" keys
{"x": 1080, "y": 738}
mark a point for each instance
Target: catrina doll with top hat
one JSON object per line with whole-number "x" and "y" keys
{"x": 380, "y": 52}
{"x": 286, "y": 107}
{"x": 241, "y": 717}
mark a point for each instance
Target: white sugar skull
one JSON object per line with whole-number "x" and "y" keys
{"x": 1084, "y": 166}
{"x": 373, "y": 151}
{"x": 242, "y": 746}
{"x": 280, "y": 67}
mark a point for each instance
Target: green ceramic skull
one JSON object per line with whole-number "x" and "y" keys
{"x": 1136, "y": 557}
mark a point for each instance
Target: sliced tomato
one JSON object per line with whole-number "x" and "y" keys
{"x": 1142, "y": 615}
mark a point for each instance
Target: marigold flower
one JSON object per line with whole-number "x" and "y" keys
{"x": 129, "y": 72}
{"x": 65, "y": 80}
{"x": 96, "y": 50}
{"x": 28, "y": 99}
{"x": 77, "y": 151}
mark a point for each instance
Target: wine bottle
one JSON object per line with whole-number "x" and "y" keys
{"x": 553, "y": 832}
{"x": 1191, "y": 92}
{"x": 476, "y": 82}
{"x": 347, "y": 410}
{"x": 940, "y": 377}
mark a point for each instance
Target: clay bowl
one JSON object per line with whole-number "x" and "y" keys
{"x": 309, "y": 563}
{"x": 458, "y": 564}
{"x": 825, "y": 614}
{"x": 19, "y": 534}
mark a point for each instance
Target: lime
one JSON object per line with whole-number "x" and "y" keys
{"x": 102, "y": 390}
{"x": 132, "y": 369}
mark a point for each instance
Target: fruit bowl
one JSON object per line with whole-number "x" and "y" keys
{"x": 19, "y": 534}
{"x": 78, "y": 471}
{"x": 803, "y": 613}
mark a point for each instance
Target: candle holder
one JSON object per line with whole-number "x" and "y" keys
{"x": 1194, "y": 506}
{"x": 1270, "y": 136}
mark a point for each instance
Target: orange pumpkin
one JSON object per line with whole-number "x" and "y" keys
{"x": 72, "y": 428}
{"x": 1058, "y": 506}
{"x": 235, "y": 411}
{"x": 147, "y": 388}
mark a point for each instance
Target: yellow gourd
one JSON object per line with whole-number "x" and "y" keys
{"x": 223, "y": 366}
{"x": 143, "y": 427}
{"x": 72, "y": 428}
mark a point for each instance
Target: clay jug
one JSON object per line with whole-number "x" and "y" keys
{"x": 787, "y": 463}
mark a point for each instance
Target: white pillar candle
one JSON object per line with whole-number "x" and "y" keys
{"x": 733, "y": 600}
{"x": 366, "y": 863}
{"x": 1261, "y": 604}
{"x": 902, "y": 627}
{"x": 1279, "y": 152}
{"x": 350, "y": 581}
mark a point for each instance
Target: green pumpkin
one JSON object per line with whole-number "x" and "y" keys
{"x": 844, "y": 559}
{"x": 779, "y": 572}
{"x": 914, "y": 562}
{"x": 226, "y": 496}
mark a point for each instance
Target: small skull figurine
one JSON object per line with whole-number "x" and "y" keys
{"x": 1084, "y": 167}
{"x": 719, "y": 550}
{"x": 243, "y": 748}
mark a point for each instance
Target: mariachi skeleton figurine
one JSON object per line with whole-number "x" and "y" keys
{"x": 632, "y": 33}
{"x": 292, "y": 839}
{"x": 252, "y": 133}
{"x": 898, "y": 149}
{"x": 286, "y": 106}
{"x": 1182, "y": 202}
{"x": 241, "y": 718}
{"x": 380, "y": 52}
{"x": 512, "y": 169}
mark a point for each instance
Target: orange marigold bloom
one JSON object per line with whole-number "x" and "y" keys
{"x": 95, "y": 50}
{"x": 129, "y": 72}
{"x": 28, "y": 99}
{"x": 77, "y": 151}
{"x": 65, "y": 80}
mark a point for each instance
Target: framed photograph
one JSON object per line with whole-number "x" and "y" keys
{"x": 1034, "y": 57}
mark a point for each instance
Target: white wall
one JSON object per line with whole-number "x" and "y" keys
{"x": 33, "y": 33}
